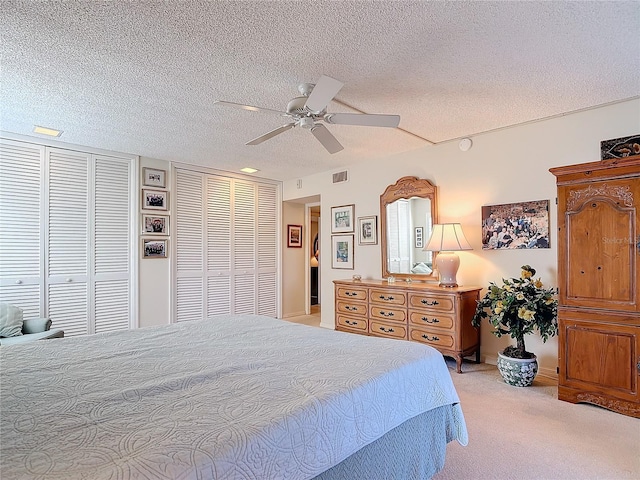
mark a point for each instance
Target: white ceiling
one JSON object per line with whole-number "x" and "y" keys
{"x": 142, "y": 77}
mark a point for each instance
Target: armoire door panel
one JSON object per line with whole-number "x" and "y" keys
{"x": 600, "y": 357}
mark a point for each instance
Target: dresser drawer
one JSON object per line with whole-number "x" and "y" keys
{"x": 388, "y": 297}
{"x": 383, "y": 312}
{"x": 432, "y": 337}
{"x": 352, "y": 323}
{"x": 432, "y": 319}
{"x": 442, "y": 303}
{"x": 354, "y": 293}
{"x": 387, "y": 329}
{"x": 351, "y": 308}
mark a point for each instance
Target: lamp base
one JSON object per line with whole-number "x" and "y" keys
{"x": 448, "y": 263}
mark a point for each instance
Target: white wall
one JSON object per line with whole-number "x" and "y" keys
{"x": 293, "y": 261}
{"x": 154, "y": 275}
{"x": 505, "y": 166}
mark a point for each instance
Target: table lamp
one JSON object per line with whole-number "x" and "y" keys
{"x": 447, "y": 238}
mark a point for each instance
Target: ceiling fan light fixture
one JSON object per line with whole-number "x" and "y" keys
{"x": 306, "y": 122}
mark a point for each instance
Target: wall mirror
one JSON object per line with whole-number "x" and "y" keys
{"x": 408, "y": 210}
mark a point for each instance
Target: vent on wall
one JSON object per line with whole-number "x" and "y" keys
{"x": 340, "y": 177}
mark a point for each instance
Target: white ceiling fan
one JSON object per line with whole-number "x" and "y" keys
{"x": 308, "y": 110}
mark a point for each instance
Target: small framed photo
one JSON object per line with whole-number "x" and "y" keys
{"x": 368, "y": 230}
{"x": 155, "y": 199}
{"x": 152, "y": 177}
{"x": 516, "y": 225}
{"x": 342, "y": 220}
{"x": 155, "y": 248}
{"x": 155, "y": 224}
{"x": 342, "y": 251}
{"x": 294, "y": 236}
{"x": 419, "y": 237}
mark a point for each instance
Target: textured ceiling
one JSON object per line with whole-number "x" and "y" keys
{"x": 142, "y": 77}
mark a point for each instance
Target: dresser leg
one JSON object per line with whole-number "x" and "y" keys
{"x": 459, "y": 363}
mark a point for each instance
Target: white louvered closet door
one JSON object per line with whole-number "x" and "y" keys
{"x": 226, "y": 248}
{"x": 21, "y": 282}
{"x": 111, "y": 279}
{"x": 189, "y": 258}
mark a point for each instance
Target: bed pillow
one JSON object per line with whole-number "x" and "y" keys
{"x": 10, "y": 320}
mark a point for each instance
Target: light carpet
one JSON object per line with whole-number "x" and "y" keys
{"x": 527, "y": 433}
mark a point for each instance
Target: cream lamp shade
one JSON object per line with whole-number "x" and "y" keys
{"x": 447, "y": 238}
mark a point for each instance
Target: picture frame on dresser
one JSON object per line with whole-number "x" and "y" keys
{"x": 342, "y": 252}
{"x": 155, "y": 199}
{"x": 342, "y": 219}
{"x": 153, "y": 177}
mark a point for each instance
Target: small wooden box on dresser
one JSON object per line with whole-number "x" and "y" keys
{"x": 426, "y": 313}
{"x": 599, "y": 285}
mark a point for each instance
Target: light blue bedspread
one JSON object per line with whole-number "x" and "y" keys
{"x": 232, "y": 397}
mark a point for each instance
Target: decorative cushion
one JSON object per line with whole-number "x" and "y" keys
{"x": 10, "y": 320}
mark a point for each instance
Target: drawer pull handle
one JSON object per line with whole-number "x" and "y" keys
{"x": 349, "y": 322}
{"x": 351, "y": 294}
{"x": 433, "y": 320}
{"x": 387, "y": 330}
{"x": 431, "y": 339}
{"x": 427, "y": 302}
{"x": 350, "y": 308}
{"x": 386, "y": 314}
{"x": 388, "y": 299}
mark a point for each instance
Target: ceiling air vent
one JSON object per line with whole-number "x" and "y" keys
{"x": 340, "y": 177}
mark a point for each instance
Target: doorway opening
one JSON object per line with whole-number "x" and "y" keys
{"x": 313, "y": 227}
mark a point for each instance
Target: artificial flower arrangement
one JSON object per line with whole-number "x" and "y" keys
{"x": 518, "y": 307}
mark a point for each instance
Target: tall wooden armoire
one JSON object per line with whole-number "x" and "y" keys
{"x": 599, "y": 284}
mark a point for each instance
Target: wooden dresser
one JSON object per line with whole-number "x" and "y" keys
{"x": 427, "y": 313}
{"x": 599, "y": 284}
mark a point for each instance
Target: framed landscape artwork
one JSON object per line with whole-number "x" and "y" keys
{"x": 516, "y": 225}
{"x": 342, "y": 251}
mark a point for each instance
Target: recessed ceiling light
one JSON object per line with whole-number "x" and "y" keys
{"x": 52, "y": 132}
{"x": 249, "y": 170}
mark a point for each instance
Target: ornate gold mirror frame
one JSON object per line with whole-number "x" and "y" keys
{"x": 410, "y": 189}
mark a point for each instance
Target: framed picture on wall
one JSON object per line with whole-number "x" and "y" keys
{"x": 515, "y": 225}
{"x": 155, "y": 199}
{"x": 155, "y": 224}
{"x": 155, "y": 248}
{"x": 342, "y": 251}
{"x": 368, "y": 230}
{"x": 342, "y": 219}
{"x": 419, "y": 232}
{"x": 152, "y": 177}
{"x": 294, "y": 236}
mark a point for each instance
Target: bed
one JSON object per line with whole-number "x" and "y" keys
{"x": 230, "y": 397}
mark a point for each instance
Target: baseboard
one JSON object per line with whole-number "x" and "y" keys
{"x": 547, "y": 375}
{"x": 294, "y": 314}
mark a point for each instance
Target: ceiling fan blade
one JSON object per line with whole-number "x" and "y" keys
{"x": 251, "y": 108}
{"x": 271, "y": 134}
{"x": 367, "y": 120}
{"x": 327, "y": 140}
{"x": 322, "y": 93}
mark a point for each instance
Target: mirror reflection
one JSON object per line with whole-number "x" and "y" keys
{"x": 408, "y": 229}
{"x": 407, "y": 214}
